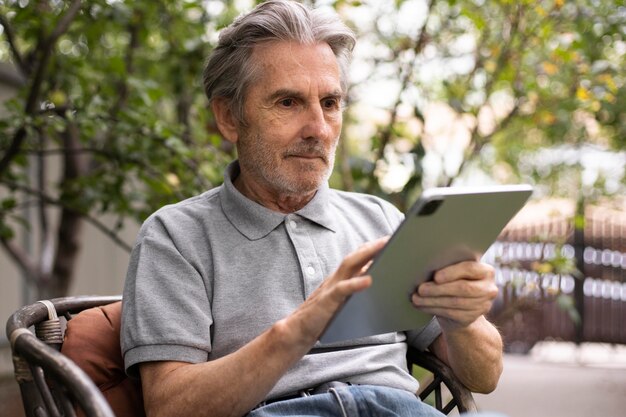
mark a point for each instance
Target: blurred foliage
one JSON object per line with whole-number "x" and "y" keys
{"x": 546, "y": 284}
{"x": 515, "y": 77}
{"x": 111, "y": 90}
{"x": 126, "y": 76}
{"x": 112, "y": 95}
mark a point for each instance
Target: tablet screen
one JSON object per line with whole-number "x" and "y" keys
{"x": 445, "y": 226}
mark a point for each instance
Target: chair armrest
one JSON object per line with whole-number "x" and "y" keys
{"x": 45, "y": 376}
{"x": 461, "y": 397}
{"x": 59, "y": 368}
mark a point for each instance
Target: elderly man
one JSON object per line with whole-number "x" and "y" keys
{"x": 228, "y": 292}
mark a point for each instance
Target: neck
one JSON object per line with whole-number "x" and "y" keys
{"x": 271, "y": 199}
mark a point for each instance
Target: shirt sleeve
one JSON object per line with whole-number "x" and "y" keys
{"x": 422, "y": 338}
{"x": 162, "y": 292}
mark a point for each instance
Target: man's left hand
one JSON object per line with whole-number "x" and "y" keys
{"x": 459, "y": 294}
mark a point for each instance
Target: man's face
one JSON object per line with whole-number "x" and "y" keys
{"x": 293, "y": 117}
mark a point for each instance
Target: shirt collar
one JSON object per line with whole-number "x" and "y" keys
{"x": 319, "y": 209}
{"x": 256, "y": 221}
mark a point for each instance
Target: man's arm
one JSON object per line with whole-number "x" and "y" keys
{"x": 460, "y": 296}
{"x": 234, "y": 384}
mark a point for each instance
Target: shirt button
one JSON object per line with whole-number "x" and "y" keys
{"x": 310, "y": 271}
{"x": 293, "y": 224}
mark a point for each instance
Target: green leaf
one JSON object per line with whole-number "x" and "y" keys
{"x": 6, "y": 233}
{"x": 567, "y": 304}
{"x": 9, "y": 203}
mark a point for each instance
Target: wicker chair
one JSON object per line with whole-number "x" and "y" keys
{"x": 53, "y": 385}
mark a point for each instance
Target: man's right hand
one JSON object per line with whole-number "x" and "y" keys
{"x": 234, "y": 384}
{"x": 309, "y": 321}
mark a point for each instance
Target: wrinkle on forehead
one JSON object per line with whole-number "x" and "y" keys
{"x": 281, "y": 61}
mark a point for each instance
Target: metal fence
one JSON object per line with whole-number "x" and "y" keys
{"x": 562, "y": 283}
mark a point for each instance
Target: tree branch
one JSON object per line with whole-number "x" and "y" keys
{"x": 129, "y": 62}
{"x": 477, "y": 142}
{"x": 22, "y": 259}
{"x": 407, "y": 75}
{"x": 41, "y": 181}
{"x": 68, "y": 231}
{"x": 17, "y": 56}
{"x": 13, "y": 149}
{"x": 122, "y": 158}
{"x": 45, "y": 50}
{"x": 64, "y": 23}
{"x": 56, "y": 202}
{"x": 406, "y": 79}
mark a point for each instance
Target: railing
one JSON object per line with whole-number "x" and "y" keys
{"x": 561, "y": 283}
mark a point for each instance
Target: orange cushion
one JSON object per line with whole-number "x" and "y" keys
{"x": 92, "y": 341}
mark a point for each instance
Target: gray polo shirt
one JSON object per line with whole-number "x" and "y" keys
{"x": 209, "y": 274}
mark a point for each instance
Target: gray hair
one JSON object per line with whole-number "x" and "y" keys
{"x": 230, "y": 70}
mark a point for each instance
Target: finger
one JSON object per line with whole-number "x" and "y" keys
{"x": 348, "y": 287}
{"x": 355, "y": 261}
{"x": 330, "y": 297}
{"x": 365, "y": 268}
{"x": 452, "y": 303}
{"x": 339, "y": 291}
{"x": 460, "y": 288}
{"x": 465, "y": 270}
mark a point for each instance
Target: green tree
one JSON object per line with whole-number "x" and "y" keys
{"x": 113, "y": 98}
{"x": 518, "y": 77}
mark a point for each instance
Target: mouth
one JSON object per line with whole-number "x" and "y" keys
{"x": 307, "y": 153}
{"x": 307, "y": 156}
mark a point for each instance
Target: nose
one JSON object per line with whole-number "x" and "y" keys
{"x": 316, "y": 125}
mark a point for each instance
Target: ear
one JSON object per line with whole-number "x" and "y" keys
{"x": 226, "y": 122}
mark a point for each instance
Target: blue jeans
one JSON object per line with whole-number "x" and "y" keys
{"x": 356, "y": 401}
{"x": 351, "y": 401}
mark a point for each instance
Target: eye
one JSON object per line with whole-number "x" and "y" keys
{"x": 331, "y": 103}
{"x": 287, "y": 102}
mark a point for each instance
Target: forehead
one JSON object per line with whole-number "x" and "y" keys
{"x": 295, "y": 66}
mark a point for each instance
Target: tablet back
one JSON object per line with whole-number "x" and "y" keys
{"x": 445, "y": 226}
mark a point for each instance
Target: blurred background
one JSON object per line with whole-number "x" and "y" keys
{"x": 103, "y": 120}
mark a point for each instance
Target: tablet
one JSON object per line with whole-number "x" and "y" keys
{"x": 443, "y": 227}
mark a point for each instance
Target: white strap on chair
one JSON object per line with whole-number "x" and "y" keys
{"x": 49, "y": 331}
{"x": 52, "y": 315}
{"x": 17, "y": 333}
{"x": 52, "y": 312}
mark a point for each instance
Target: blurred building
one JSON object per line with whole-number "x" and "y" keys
{"x": 558, "y": 282}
